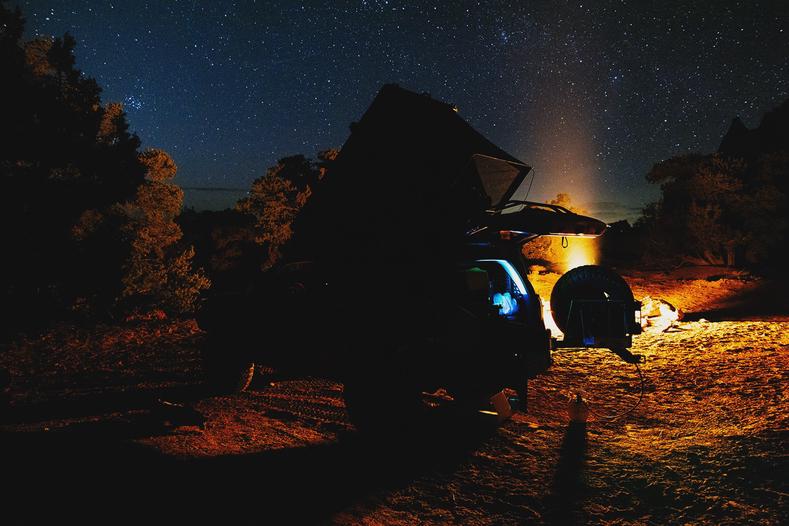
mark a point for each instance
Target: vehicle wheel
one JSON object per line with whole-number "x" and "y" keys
{"x": 382, "y": 399}
{"x": 589, "y": 282}
{"x": 227, "y": 371}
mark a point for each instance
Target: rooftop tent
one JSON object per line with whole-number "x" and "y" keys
{"x": 500, "y": 179}
{"x": 410, "y": 177}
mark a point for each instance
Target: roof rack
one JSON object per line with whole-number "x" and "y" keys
{"x": 529, "y": 204}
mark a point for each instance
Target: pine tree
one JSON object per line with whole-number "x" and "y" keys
{"x": 159, "y": 273}
{"x": 276, "y": 199}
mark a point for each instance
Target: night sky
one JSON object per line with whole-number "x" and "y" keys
{"x": 589, "y": 93}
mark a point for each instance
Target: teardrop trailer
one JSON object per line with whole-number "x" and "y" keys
{"x": 406, "y": 275}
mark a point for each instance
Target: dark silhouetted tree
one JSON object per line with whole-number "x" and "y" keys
{"x": 276, "y": 198}
{"x": 728, "y": 207}
{"x": 696, "y": 215}
{"x": 272, "y": 201}
{"x": 67, "y": 161}
{"x": 715, "y": 209}
{"x": 53, "y": 168}
{"x": 225, "y": 246}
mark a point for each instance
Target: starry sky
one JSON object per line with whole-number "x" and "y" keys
{"x": 590, "y": 93}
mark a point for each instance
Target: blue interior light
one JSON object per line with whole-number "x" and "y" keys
{"x": 507, "y": 305}
{"x": 512, "y": 273}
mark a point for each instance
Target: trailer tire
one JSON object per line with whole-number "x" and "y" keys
{"x": 589, "y": 282}
{"x": 381, "y": 396}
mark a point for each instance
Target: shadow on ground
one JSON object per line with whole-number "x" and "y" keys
{"x": 92, "y": 472}
{"x": 765, "y": 302}
{"x": 564, "y": 504}
{"x": 100, "y": 401}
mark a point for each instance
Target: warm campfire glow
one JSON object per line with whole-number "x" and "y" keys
{"x": 579, "y": 252}
{"x": 658, "y": 315}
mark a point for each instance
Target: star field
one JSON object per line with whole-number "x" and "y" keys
{"x": 589, "y": 93}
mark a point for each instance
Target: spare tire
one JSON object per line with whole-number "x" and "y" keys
{"x": 589, "y": 282}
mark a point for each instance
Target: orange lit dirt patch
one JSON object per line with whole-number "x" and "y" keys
{"x": 705, "y": 446}
{"x": 701, "y": 448}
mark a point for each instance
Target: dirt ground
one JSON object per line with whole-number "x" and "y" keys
{"x": 112, "y": 425}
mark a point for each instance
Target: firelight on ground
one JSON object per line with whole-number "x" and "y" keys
{"x": 580, "y": 252}
{"x": 556, "y": 332}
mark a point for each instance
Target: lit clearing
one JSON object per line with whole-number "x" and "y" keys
{"x": 579, "y": 251}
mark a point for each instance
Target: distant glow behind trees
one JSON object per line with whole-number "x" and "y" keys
{"x": 590, "y": 94}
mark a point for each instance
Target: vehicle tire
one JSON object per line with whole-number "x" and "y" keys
{"x": 227, "y": 370}
{"x": 381, "y": 399}
{"x": 589, "y": 282}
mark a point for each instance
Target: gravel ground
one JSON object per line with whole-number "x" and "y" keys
{"x": 705, "y": 445}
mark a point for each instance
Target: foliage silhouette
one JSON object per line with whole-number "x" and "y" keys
{"x": 276, "y": 198}
{"x": 729, "y": 207}
{"x": 158, "y": 273}
{"x": 67, "y": 165}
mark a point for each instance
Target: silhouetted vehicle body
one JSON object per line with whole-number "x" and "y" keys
{"x": 409, "y": 275}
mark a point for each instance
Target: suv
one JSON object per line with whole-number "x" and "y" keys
{"x": 406, "y": 275}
